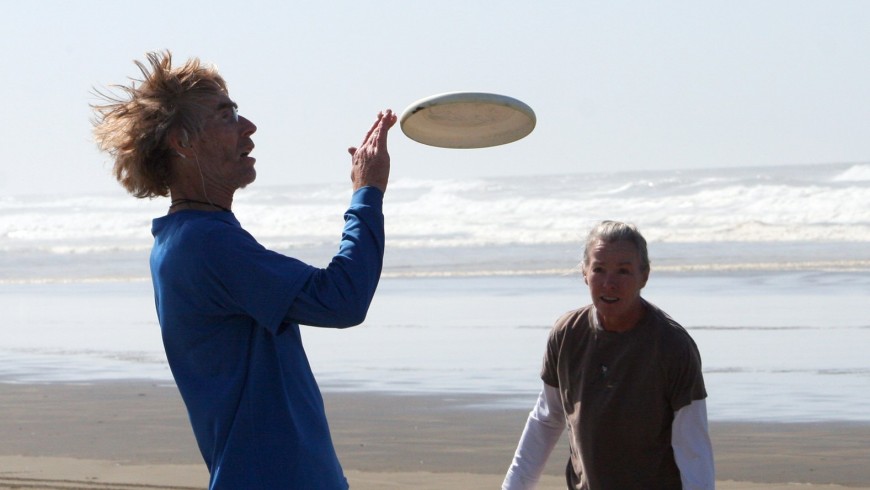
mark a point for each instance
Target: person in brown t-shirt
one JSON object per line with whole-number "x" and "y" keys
{"x": 625, "y": 379}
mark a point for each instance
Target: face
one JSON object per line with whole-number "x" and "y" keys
{"x": 615, "y": 277}
{"x": 224, "y": 146}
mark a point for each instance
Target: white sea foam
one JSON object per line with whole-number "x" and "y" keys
{"x": 855, "y": 173}
{"x": 823, "y": 205}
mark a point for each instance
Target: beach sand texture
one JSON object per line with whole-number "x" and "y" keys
{"x": 135, "y": 435}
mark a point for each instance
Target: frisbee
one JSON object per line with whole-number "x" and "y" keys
{"x": 467, "y": 120}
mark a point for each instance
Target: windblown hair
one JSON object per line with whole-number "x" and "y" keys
{"x": 133, "y": 127}
{"x": 616, "y": 231}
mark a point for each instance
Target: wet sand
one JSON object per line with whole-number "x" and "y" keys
{"x": 125, "y": 435}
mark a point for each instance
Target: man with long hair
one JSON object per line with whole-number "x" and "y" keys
{"x": 229, "y": 309}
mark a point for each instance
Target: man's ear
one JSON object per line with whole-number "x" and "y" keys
{"x": 179, "y": 142}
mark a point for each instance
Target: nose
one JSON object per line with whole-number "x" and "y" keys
{"x": 610, "y": 281}
{"x": 248, "y": 128}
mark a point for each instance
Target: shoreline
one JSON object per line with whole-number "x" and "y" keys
{"x": 137, "y": 433}
{"x": 556, "y": 269}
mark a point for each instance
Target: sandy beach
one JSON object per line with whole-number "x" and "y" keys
{"x": 135, "y": 435}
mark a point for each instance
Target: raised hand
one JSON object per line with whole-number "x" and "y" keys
{"x": 371, "y": 161}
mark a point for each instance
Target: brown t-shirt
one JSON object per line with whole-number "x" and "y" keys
{"x": 619, "y": 392}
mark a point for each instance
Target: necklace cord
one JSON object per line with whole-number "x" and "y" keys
{"x": 179, "y": 202}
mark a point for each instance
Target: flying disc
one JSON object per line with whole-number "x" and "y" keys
{"x": 467, "y": 120}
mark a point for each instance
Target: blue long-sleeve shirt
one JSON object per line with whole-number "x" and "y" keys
{"x": 229, "y": 312}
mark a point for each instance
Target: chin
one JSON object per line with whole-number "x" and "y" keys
{"x": 250, "y": 180}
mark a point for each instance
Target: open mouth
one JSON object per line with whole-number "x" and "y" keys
{"x": 609, "y": 300}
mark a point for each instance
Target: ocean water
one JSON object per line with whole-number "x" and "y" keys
{"x": 768, "y": 269}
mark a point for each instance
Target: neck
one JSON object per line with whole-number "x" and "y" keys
{"x": 185, "y": 203}
{"x": 190, "y": 189}
{"x": 622, "y": 323}
{"x": 189, "y": 194}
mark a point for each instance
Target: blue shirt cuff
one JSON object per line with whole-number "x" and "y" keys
{"x": 368, "y": 196}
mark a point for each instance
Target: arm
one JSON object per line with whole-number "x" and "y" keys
{"x": 544, "y": 426}
{"x": 692, "y": 447}
{"x": 340, "y": 295}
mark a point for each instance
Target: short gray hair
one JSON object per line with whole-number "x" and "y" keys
{"x": 616, "y": 231}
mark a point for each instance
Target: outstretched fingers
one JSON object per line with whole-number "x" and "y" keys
{"x": 371, "y": 161}
{"x": 386, "y": 122}
{"x": 377, "y": 135}
{"x": 375, "y": 140}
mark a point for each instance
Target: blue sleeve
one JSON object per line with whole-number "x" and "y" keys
{"x": 340, "y": 295}
{"x": 245, "y": 278}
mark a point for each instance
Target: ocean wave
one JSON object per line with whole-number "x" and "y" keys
{"x": 135, "y": 269}
{"x": 822, "y": 203}
{"x": 864, "y": 266}
{"x": 785, "y": 266}
{"x": 23, "y": 281}
{"x": 422, "y": 273}
{"x": 849, "y": 371}
{"x": 855, "y": 173}
{"x": 144, "y": 357}
{"x": 775, "y": 328}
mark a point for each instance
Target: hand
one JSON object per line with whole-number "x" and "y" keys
{"x": 370, "y": 163}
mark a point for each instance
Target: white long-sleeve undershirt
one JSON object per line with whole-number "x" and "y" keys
{"x": 690, "y": 439}
{"x": 544, "y": 426}
{"x": 693, "y": 450}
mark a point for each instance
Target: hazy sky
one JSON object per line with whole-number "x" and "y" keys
{"x": 616, "y": 85}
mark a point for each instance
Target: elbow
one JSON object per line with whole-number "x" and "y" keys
{"x": 342, "y": 299}
{"x": 356, "y": 307}
{"x": 357, "y": 316}
{"x": 352, "y": 315}
{"x": 348, "y": 322}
